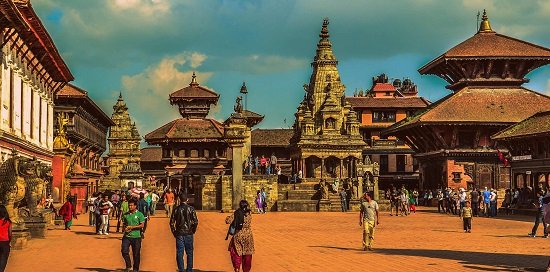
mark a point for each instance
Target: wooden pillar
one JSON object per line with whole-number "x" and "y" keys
{"x": 303, "y": 166}
{"x": 322, "y": 166}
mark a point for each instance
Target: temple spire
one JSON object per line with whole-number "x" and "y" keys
{"x": 485, "y": 26}
{"x": 193, "y": 80}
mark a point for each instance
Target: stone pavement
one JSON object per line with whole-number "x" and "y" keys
{"x": 425, "y": 241}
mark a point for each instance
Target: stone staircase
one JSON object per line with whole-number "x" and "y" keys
{"x": 298, "y": 197}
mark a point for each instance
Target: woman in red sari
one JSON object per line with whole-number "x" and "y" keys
{"x": 68, "y": 212}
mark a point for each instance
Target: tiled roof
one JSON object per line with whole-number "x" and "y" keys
{"x": 394, "y": 102}
{"x": 71, "y": 91}
{"x": 383, "y": 87}
{"x": 536, "y": 125}
{"x": 272, "y": 137}
{"x": 151, "y": 154}
{"x": 490, "y": 45}
{"x": 194, "y": 91}
{"x": 184, "y": 129}
{"x": 480, "y": 105}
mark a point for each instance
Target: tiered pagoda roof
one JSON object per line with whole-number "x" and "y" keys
{"x": 485, "y": 73}
{"x": 187, "y": 130}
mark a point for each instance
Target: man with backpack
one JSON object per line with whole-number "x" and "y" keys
{"x": 183, "y": 224}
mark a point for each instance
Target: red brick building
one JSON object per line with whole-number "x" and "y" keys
{"x": 452, "y": 137}
{"x": 380, "y": 107}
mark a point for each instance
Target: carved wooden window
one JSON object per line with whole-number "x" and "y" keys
{"x": 383, "y": 116}
{"x": 194, "y": 153}
{"x": 206, "y": 153}
{"x": 182, "y": 152}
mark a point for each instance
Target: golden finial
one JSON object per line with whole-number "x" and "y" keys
{"x": 324, "y": 30}
{"x": 193, "y": 80}
{"x": 485, "y": 26}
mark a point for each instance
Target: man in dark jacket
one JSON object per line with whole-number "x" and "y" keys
{"x": 143, "y": 207}
{"x": 183, "y": 224}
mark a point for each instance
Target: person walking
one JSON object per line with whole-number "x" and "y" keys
{"x": 133, "y": 222}
{"x": 369, "y": 219}
{"x": 343, "y": 200}
{"x": 91, "y": 209}
{"x": 241, "y": 246}
{"x": 143, "y": 208}
{"x": 259, "y": 204}
{"x": 466, "y": 216}
{"x": 183, "y": 224}
{"x": 123, "y": 209}
{"x": 115, "y": 199}
{"x": 68, "y": 212}
{"x": 169, "y": 202}
{"x": 105, "y": 207}
{"x": 486, "y": 202}
{"x": 474, "y": 199}
{"x": 440, "y": 198}
{"x": 97, "y": 212}
{"x": 5, "y": 237}
{"x": 539, "y": 217}
{"x": 154, "y": 200}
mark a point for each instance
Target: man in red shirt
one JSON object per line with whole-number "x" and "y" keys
{"x": 169, "y": 202}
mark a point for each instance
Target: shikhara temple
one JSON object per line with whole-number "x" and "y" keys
{"x": 452, "y": 137}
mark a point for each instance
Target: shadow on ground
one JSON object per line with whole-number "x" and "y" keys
{"x": 97, "y": 269}
{"x": 471, "y": 260}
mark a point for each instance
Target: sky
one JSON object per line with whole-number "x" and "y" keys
{"x": 147, "y": 49}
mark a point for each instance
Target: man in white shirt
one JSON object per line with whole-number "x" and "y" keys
{"x": 369, "y": 219}
{"x": 154, "y": 200}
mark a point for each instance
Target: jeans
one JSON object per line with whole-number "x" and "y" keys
{"x": 4, "y": 254}
{"x": 91, "y": 218}
{"x": 440, "y": 206}
{"x": 493, "y": 209}
{"x": 475, "y": 208}
{"x": 487, "y": 209}
{"x": 344, "y": 206}
{"x": 184, "y": 244}
{"x": 135, "y": 243}
{"x": 153, "y": 207}
{"x": 538, "y": 220}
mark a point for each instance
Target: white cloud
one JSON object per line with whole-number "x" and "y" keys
{"x": 197, "y": 59}
{"x": 147, "y": 92}
{"x": 144, "y": 7}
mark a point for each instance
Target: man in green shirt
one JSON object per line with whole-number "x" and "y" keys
{"x": 133, "y": 222}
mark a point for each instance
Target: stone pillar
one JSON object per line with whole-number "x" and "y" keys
{"x": 376, "y": 192}
{"x": 341, "y": 167}
{"x": 235, "y": 136}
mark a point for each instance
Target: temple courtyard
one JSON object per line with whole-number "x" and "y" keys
{"x": 425, "y": 241}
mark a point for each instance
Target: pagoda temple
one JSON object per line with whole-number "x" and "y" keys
{"x": 124, "y": 141}
{"x": 192, "y": 145}
{"x": 326, "y": 141}
{"x": 452, "y": 136}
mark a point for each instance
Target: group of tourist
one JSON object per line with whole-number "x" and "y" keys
{"x": 103, "y": 206}
{"x": 262, "y": 165}
{"x": 402, "y": 201}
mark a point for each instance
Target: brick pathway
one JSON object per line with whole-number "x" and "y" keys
{"x": 425, "y": 241}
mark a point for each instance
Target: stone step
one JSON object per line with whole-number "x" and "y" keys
{"x": 301, "y": 194}
{"x": 297, "y": 205}
{"x": 306, "y": 185}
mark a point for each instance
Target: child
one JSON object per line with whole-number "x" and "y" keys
{"x": 466, "y": 216}
{"x": 412, "y": 202}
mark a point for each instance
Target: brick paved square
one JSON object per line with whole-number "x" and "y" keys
{"x": 425, "y": 241}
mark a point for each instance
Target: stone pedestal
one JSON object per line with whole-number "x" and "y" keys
{"x": 37, "y": 226}
{"x": 20, "y": 236}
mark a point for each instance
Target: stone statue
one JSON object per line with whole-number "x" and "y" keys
{"x": 376, "y": 169}
{"x": 35, "y": 185}
{"x": 323, "y": 189}
{"x": 238, "y": 108}
{"x": 12, "y": 186}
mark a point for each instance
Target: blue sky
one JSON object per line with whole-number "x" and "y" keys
{"x": 149, "y": 48}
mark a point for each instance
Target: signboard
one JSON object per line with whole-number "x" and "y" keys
{"x": 528, "y": 172}
{"x": 522, "y": 158}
